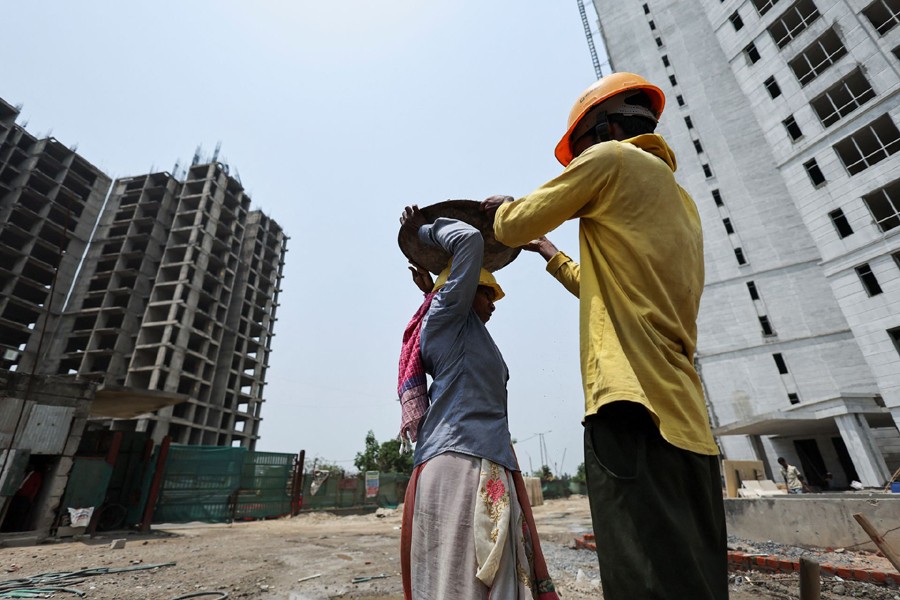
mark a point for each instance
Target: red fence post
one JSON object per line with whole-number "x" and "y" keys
{"x": 297, "y": 485}
{"x": 156, "y": 485}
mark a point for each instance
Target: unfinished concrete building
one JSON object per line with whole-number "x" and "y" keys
{"x": 98, "y": 335}
{"x": 783, "y": 115}
{"x": 49, "y": 201}
{"x": 178, "y": 294}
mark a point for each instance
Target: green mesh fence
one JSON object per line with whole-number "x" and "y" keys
{"x": 200, "y": 484}
{"x": 339, "y": 492}
{"x": 265, "y": 486}
{"x": 214, "y": 484}
{"x": 88, "y": 481}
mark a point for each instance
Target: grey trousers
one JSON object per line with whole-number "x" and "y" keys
{"x": 657, "y": 511}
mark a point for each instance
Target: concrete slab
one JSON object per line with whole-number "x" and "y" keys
{"x": 816, "y": 520}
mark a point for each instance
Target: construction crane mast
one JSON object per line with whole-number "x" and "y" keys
{"x": 590, "y": 39}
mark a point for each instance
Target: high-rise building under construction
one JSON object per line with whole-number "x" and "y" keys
{"x": 783, "y": 115}
{"x": 177, "y": 292}
{"x": 49, "y": 201}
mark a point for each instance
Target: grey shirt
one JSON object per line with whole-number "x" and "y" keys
{"x": 468, "y": 393}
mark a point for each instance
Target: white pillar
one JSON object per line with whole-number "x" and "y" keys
{"x": 866, "y": 457}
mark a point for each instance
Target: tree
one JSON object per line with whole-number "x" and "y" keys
{"x": 391, "y": 460}
{"x": 545, "y": 474}
{"x": 367, "y": 460}
{"x": 385, "y": 457}
{"x": 579, "y": 475}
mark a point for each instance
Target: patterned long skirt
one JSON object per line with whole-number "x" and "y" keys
{"x": 468, "y": 534}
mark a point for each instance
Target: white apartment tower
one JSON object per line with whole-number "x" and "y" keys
{"x": 783, "y": 116}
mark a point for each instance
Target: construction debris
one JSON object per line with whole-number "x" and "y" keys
{"x": 44, "y": 585}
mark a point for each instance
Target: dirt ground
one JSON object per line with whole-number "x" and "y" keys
{"x": 316, "y": 556}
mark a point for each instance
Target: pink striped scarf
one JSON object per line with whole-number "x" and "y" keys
{"x": 411, "y": 385}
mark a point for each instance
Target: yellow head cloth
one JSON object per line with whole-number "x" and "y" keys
{"x": 485, "y": 278}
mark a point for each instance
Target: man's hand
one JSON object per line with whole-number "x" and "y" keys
{"x": 422, "y": 278}
{"x": 490, "y": 205}
{"x": 413, "y": 218}
{"x": 542, "y": 246}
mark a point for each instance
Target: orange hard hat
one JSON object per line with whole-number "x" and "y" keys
{"x": 601, "y": 90}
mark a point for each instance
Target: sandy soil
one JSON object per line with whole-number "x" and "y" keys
{"x": 316, "y": 556}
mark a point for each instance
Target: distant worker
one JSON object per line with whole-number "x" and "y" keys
{"x": 650, "y": 458}
{"x": 468, "y": 532}
{"x": 792, "y": 477}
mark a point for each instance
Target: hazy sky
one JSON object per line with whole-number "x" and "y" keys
{"x": 336, "y": 115}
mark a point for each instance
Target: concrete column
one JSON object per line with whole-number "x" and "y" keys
{"x": 760, "y": 453}
{"x": 864, "y": 453}
{"x": 895, "y": 413}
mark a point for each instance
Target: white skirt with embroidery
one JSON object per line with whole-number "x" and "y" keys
{"x": 469, "y": 540}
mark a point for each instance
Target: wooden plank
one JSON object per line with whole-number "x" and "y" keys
{"x": 810, "y": 583}
{"x": 885, "y": 548}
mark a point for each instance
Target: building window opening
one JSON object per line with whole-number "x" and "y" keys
{"x": 665, "y": 60}
{"x": 869, "y": 145}
{"x": 844, "y": 97}
{"x": 840, "y": 222}
{"x": 739, "y": 254}
{"x": 884, "y": 204}
{"x": 772, "y": 87}
{"x": 736, "y": 21}
{"x": 793, "y": 398}
{"x": 779, "y": 362}
{"x": 814, "y": 172}
{"x": 707, "y": 171}
{"x": 792, "y": 128}
{"x": 763, "y": 6}
{"x": 689, "y": 122}
{"x": 717, "y": 197}
{"x": 729, "y": 228}
{"x": 659, "y": 42}
{"x": 793, "y": 22}
{"x": 817, "y": 57}
{"x": 672, "y": 80}
{"x": 883, "y": 14}
{"x": 766, "y": 326}
{"x": 754, "y": 293}
{"x": 698, "y": 146}
{"x": 752, "y": 53}
{"x": 679, "y": 99}
{"x": 652, "y": 25}
{"x": 868, "y": 279}
{"x": 646, "y": 10}
{"x": 894, "y": 334}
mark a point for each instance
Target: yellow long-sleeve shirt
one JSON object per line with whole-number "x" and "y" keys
{"x": 639, "y": 282}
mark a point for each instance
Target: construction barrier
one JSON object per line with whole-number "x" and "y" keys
{"x": 331, "y": 490}
{"x": 214, "y": 484}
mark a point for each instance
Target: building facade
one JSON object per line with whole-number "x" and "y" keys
{"x": 178, "y": 294}
{"x": 49, "y": 201}
{"x": 783, "y": 117}
{"x": 152, "y": 283}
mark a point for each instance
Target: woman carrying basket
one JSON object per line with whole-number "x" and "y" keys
{"x": 468, "y": 531}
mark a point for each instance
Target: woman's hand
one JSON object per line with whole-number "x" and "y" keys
{"x": 412, "y": 217}
{"x": 542, "y": 246}
{"x": 421, "y": 277}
